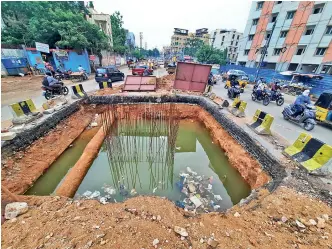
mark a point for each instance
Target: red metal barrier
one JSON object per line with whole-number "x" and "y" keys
{"x": 140, "y": 83}
{"x": 191, "y": 77}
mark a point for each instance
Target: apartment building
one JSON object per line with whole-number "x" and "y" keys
{"x": 300, "y": 41}
{"x": 181, "y": 36}
{"x": 227, "y": 39}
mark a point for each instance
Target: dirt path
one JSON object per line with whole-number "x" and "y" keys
{"x": 52, "y": 222}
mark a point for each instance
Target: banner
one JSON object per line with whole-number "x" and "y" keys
{"x": 42, "y": 47}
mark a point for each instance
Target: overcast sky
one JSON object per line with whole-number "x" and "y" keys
{"x": 157, "y": 19}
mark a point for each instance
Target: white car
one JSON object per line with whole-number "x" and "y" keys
{"x": 236, "y": 72}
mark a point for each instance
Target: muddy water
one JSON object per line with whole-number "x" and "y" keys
{"x": 47, "y": 183}
{"x": 152, "y": 166}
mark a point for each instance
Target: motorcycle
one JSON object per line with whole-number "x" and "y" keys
{"x": 233, "y": 92}
{"x": 60, "y": 75}
{"x": 278, "y": 97}
{"x": 49, "y": 92}
{"x": 265, "y": 96}
{"x": 307, "y": 118}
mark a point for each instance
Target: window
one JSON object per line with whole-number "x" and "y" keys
{"x": 274, "y": 17}
{"x": 290, "y": 14}
{"x": 278, "y": 2}
{"x": 267, "y": 36}
{"x": 318, "y": 9}
{"x": 223, "y": 38}
{"x": 283, "y": 34}
{"x": 234, "y": 49}
{"x": 236, "y": 43}
{"x": 320, "y": 51}
{"x": 231, "y": 43}
{"x": 300, "y": 50}
{"x": 233, "y": 36}
{"x": 238, "y": 37}
{"x": 246, "y": 51}
{"x": 254, "y": 22}
{"x": 328, "y": 30}
{"x": 259, "y": 5}
{"x": 325, "y": 69}
{"x": 250, "y": 37}
{"x": 222, "y": 43}
{"x": 277, "y": 51}
{"x": 309, "y": 30}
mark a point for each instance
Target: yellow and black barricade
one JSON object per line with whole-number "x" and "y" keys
{"x": 310, "y": 152}
{"x": 106, "y": 84}
{"x": 78, "y": 91}
{"x": 238, "y": 107}
{"x": 25, "y": 107}
{"x": 261, "y": 123}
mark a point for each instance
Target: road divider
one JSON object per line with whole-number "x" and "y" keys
{"x": 238, "y": 107}
{"x": 310, "y": 152}
{"x": 103, "y": 85}
{"x": 261, "y": 123}
{"x": 22, "y": 108}
{"x": 78, "y": 91}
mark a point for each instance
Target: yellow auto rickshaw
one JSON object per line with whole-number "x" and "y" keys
{"x": 242, "y": 81}
{"x": 324, "y": 108}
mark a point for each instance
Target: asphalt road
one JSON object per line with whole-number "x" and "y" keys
{"x": 286, "y": 129}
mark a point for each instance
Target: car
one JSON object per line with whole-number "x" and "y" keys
{"x": 139, "y": 70}
{"x": 236, "y": 72}
{"x": 108, "y": 74}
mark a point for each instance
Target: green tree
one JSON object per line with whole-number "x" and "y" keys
{"x": 192, "y": 46}
{"x": 210, "y": 55}
{"x": 156, "y": 52}
{"x": 118, "y": 33}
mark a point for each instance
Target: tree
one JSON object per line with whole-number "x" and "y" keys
{"x": 156, "y": 52}
{"x": 210, "y": 55}
{"x": 192, "y": 46}
{"x": 118, "y": 32}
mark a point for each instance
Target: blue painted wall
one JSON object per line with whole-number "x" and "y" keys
{"x": 74, "y": 60}
{"x": 34, "y": 57}
{"x": 318, "y": 86}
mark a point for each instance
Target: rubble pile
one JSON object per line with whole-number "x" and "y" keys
{"x": 198, "y": 193}
{"x": 166, "y": 82}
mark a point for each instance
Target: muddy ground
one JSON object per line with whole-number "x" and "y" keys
{"x": 269, "y": 222}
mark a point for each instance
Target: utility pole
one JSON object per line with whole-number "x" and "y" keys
{"x": 264, "y": 51}
{"x": 140, "y": 39}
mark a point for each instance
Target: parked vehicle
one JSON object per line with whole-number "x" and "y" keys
{"x": 49, "y": 92}
{"x": 234, "y": 92}
{"x": 307, "y": 118}
{"x": 238, "y": 73}
{"x": 108, "y": 74}
{"x": 62, "y": 75}
{"x": 138, "y": 70}
{"x": 171, "y": 68}
{"x": 324, "y": 108}
{"x": 265, "y": 96}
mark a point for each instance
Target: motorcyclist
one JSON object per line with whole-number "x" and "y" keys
{"x": 82, "y": 70}
{"x": 50, "y": 81}
{"x": 209, "y": 84}
{"x": 234, "y": 81}
{"x": 261, "y": 86}
{"x": 299, "y": 104}
{"x": 275, "y": 87}
{"x": 146, "y": 72}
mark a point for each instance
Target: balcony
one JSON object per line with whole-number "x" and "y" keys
{"x": 248, "y": 44}
{"x": 314, "y": 18}
{"x": 269, "y": 26}
{"x": 305, "y": 39}
{"x": 252, "y": 30}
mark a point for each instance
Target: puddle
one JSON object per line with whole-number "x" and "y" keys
{"x": 51, "y": 179}
{"x": 139, "y": 160}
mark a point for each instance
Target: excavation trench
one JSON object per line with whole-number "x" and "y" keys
{"x": 148, "y": 149}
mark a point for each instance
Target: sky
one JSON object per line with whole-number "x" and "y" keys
{"x": 157, "y": 19}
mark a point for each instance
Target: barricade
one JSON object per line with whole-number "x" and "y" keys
{"x": 103, "y": 85}
{"x": 310, "y": 152}
{"x": 78, "y": 91}
{"x": 261, "y": 123}
{"x": 25, "y": 107}
{"x": 238, "y": 107}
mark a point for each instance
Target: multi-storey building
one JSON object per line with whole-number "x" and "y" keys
{"x": 130, "y": 39}
{"x": 227, "y": 39}
{"x": 300, "y": 41}
{"x": 181, "y": 36}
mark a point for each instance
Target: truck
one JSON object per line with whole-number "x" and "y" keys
{"x": 138, "y": 70}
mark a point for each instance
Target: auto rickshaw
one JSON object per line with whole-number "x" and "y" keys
{"x": 324, "y": 108}
{"x": 243, "y": 82}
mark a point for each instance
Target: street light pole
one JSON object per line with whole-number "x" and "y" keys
{"x": 264, "y": 51}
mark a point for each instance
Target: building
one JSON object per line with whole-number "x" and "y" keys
{"x": 223, "y": 38}
{"x": 103, "y": 21}
{"x": 300, "y": 41}
{"x": 181, "y": 36}
{"x": 130, "y": 39}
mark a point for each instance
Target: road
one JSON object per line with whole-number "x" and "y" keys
{"x": 286, "y": 129}
{"x": 38, "y": 99}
